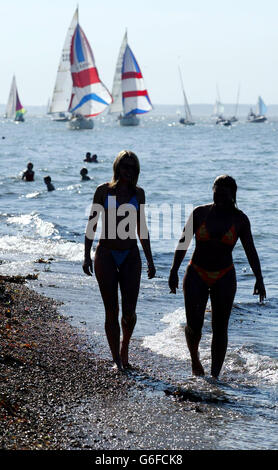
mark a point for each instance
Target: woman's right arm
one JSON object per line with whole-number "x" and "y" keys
{"x": 180, "y": 253}
{"x": 91, "y": 230}
{"x": 246, "y": 239}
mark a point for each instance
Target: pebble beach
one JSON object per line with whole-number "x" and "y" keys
{"x": 57, "y": 394}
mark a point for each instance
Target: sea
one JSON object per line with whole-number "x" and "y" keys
{"x": 42, "y": 233}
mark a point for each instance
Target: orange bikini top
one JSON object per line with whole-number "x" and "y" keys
{"x": 229, "y": 238}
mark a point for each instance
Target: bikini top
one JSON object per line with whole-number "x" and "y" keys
{"x": 229, "y": 238}
{"x": 111, "y": 202}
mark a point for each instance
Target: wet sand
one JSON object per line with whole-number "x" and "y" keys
{"x": 58, "y": 392}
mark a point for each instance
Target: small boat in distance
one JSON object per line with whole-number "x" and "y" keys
{"x": 187, "y": 121}
{"x": 130, "y": 96}
{"x": 234, "y": 117}
{"x": 89, "y": 97}
{"x": 219, "y": 110}
{"x": 261, "y": 111}
{"x": 61, "y": 96}
{"x": 14, "y": 108}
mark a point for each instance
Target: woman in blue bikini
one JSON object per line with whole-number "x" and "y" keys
{"x": 117, "y": 260}
{"x": 211, "y": 271}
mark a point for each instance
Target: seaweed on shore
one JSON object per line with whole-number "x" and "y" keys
{"x": 18, "y": 279}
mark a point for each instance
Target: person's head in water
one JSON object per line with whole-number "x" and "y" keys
{"x": 48, "y": 183}
{"x": 30, "y": 166}
{"x": 88, "y": 157}
{"x": 83, "y": 173}
{"x": 126, "y": 166}
{"x": 224, "y": 191}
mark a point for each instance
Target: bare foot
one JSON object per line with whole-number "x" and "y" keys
{"x": 124, "y": 355}
{"x": 197, "y": 368}
{"x": 118, "y": 365}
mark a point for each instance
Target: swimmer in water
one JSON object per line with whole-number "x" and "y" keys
{"x": 29, "y": 174}
{"x": 88, "y": 157}
{"x": 48, "y": 183}
{"x": 84, "y": 175}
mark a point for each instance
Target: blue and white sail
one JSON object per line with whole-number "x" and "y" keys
{"x": 262, "y": 109}
{"x": 90, "y": 96}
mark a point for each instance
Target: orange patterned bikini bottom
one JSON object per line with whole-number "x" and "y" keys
{"x": 210, "y": 277}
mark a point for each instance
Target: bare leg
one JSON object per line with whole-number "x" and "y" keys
{"x": 222, "y": 297}
{"x": 196, "y": 297}
{"x": 193, "y": 341}
{"x": 130, "y": 274}
{"x": 107, "y": 277}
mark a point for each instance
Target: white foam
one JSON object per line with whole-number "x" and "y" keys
{"x": 254, "y": 365}
{"x": 42, "y": 228}
{"x": 170, "y": 342}
{"x": 66, "y": 250}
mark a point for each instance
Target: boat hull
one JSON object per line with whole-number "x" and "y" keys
{"x": 78, "y": 123}
{"x": 186, "y": 123}
{"x": 257, "y": 119}
{"x": 19, "y": 118}
{"x": 61, "y": 117}
{"x": 223, "y": 122}
{"x": 131, "y": 120}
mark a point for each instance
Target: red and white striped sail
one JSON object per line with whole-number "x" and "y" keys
{"x": 89, "y": 95}
{"x": 135, "y": 96}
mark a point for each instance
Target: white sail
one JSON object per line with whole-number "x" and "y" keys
{"x": 218, "y": 108}
{"x": 11, "y": 104}
{"x": 117, "y": 105}
{"x": 14, "y": 108}
{"x": 63, "y": 86}
{"x": 261, "y": 107}
{"x": 186, "y": 105}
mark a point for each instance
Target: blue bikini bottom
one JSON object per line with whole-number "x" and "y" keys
{"x": 119, "y": 256}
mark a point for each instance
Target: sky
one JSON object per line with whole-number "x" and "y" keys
{"x": 216, "y": 43}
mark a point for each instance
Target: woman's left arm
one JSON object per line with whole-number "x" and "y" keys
{"x": 247, "y": 241}
{"x": 143, "y": 233}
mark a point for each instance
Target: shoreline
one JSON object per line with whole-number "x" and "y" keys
{"x": 56, "y": 393}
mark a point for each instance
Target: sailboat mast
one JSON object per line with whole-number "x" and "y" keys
{"x": 237, "y": 101}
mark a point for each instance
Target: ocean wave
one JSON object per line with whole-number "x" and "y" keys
{"x": 66, "y": 250}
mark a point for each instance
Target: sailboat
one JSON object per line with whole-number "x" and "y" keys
{"x": 89, "y": 97}
{"x": 117, "y": 103}
{"x": 63, "y": 85}
{"x": 188, "y": 117}
{"x": 261, "y": 111}
{"x": 14, "y": 109}
{"x": 219, "y": 110}
{"x": 234, "y": 117}
{"x": 129, "y": 92}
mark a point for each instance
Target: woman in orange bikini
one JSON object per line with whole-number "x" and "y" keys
{"x": 117, "y": 261}
{"x": 211, "y": 271}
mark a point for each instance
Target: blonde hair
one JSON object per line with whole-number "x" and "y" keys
{"x": 116, "y": 167}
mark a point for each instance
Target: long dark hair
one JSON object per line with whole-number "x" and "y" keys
{"x": 227, "y": 182}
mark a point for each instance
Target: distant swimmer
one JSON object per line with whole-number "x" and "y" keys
{"x": 29, "y": 174}
{"x": 48, "y": 183}
{"x": 211, "y": 272}
{"x": 94, "y": 159}
{"x": 88, "y": 157}
{"x": 84, "y": 176}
